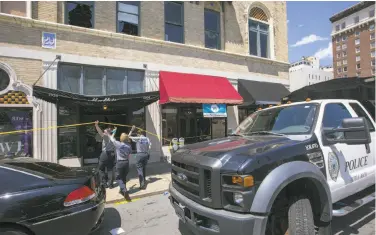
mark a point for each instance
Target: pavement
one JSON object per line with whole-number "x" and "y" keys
{"x": 155, "y": 215}
{"x": 158, "y": 177}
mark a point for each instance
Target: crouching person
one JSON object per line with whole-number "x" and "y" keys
{"x": 123, "y": 151}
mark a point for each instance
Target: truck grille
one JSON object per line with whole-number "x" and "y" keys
{"x": 187, "y": 178}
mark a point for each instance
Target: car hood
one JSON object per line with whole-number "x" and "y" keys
{"x": 233, "y": 151}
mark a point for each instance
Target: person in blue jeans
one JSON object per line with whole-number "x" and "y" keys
{"x": 123, "y": 150}
{"x": 143, "y": 146}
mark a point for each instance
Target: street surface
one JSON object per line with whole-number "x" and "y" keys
{"x": 154, "y": 215}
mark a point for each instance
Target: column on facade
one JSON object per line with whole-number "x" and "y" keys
{"x": 48, "y": 116}
{"x": 153, "y": 116}
{"x": 232, "y": 111}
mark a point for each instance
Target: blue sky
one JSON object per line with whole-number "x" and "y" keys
{"x": 309, "y": 28}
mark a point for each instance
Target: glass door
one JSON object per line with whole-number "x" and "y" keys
{"x": 187, "y": 124}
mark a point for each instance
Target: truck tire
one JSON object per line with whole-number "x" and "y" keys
{"x": 300, "y": 217}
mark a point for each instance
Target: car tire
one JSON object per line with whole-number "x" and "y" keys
{"x": 13, "y": 231}
{"x": 300, "y": 217}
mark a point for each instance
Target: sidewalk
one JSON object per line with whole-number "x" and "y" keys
{"x": 158, "y": 177}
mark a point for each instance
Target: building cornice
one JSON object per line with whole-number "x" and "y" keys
{"x": 351, "y": 10}
{"x": 27, "y": 22}
{"x": 351, "y": 28}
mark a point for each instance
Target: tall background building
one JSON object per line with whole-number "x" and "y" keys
{"x": 353, "y": 38}
{"x": 307, "y": 71}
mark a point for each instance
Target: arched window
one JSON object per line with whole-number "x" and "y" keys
{"x": 259, "y": 33}
{"x": 212, "y": 25}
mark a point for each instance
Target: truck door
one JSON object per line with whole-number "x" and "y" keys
{"x": 349, "y": 168}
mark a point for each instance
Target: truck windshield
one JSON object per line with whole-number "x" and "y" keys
{"x": 288, "y": 120}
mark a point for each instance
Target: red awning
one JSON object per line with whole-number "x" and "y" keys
{"x": 194, "y": 88}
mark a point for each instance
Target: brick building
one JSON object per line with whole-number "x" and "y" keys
{"x": 114, "y": 48}
{"x": 353, "y": 38}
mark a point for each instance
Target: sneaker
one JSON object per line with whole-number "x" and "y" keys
{"x": 127, "y": 197}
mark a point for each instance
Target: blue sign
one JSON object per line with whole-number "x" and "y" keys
{"x": 49, "y": 40}
{"x": 214, "y": 110}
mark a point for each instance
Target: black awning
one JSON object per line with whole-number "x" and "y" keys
{"x": 339, "y": 88}
{"x": 259, "y": 93}
{"x": 134, "y": 101}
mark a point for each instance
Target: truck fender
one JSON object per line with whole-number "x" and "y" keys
{"x": 284, "y": 174}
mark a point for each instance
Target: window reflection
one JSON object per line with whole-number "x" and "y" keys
{"x": 19, "y": 144}
{"x": 212, "y": 29}
{"x": 174, "y": 30}
{"x": 128, "y": 18}
{"x": 67, "y": 136}
{"x": 17, "y": 8}
{"x": 70, "y": 78}
{"x": 116, "y": 82}
{"x": 90, "y": 80}
{"x": 135, "y": 81}
{"x": 80, "y": 13}
{"x": 93, "y": 81}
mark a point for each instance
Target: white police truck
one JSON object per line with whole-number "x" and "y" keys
{"x": 287, "y": 169}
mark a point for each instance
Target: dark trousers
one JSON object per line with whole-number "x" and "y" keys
{"x": 122, "y": 169}
{"x": 107, "y": 161}
{"x": 141, "y": 162}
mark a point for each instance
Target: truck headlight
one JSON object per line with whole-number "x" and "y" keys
{"x": 238, "y": 199}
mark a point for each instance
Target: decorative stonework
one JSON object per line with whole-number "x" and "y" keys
{"x": 14, "y": 97}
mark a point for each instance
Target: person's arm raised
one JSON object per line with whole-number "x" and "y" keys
{"x": 99, "y": 130}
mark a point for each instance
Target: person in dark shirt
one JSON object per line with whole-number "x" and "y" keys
{"x": 107, "y": 156}
{"x": 143, "y": 145}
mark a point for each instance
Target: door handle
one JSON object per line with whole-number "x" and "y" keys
{"x": 368, "y": 149}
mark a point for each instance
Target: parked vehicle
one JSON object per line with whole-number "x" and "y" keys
{"x": 38, "y": 198}
{"x": 286, "y": 170}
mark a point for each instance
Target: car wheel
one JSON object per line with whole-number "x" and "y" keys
{"x": 13, "y": 231}
{"x": 300, "y": 217}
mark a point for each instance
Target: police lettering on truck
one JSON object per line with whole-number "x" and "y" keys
{"x": 284, "y": 170}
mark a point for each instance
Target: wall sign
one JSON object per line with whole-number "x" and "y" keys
{"x": 49, "y": 40}
{"x": 214, "y": 110}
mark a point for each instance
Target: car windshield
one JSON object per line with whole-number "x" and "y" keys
{"x": 287, "y": 120}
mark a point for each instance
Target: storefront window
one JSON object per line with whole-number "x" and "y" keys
{"x": 116, "y": 82}
{"x": 189, "y": 123}
{"x": 90, "y": 80}
{"x": 93, "y": 81}
{"x": 244, "y": 112}
{"x": 169, "y": 124}
{"x": 67, "y": 136}
{"x": 135, "y": 81}
{"x": 18, "y": 144}
{"x": 69, "y": 80}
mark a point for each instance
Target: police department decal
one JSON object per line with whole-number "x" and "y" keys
{"x": 333, "y": 165}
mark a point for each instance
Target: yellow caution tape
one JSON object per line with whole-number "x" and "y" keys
{"x": 91, "y": 123}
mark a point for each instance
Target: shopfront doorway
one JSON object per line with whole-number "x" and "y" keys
{"x": 187, "y": 121}
{"x": 84, "y": 141}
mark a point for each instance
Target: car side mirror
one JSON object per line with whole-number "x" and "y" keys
{"x": 353, "y": 131}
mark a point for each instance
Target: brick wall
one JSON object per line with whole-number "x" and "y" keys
{"x": 45, "y": 10}
{"x": 234, "y": 22}
{"x": 28, "y": 71}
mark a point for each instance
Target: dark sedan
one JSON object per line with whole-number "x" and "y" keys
{"x": 43, "y": 198}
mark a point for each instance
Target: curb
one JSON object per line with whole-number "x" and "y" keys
{"x": 123, "y": 201}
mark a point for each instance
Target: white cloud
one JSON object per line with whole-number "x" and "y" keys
{"x": 288, "y": 21}
{"x": 308, "y": 39}
{"x": 325, "y": 53}
{"x": 301, "y": 25}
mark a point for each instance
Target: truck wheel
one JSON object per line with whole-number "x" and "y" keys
{"x": 300, "y": 217}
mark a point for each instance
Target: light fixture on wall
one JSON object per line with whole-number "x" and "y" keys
{"x": 105, "y": 107}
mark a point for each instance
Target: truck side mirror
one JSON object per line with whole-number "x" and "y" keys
{"x": 353, "y": 131}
